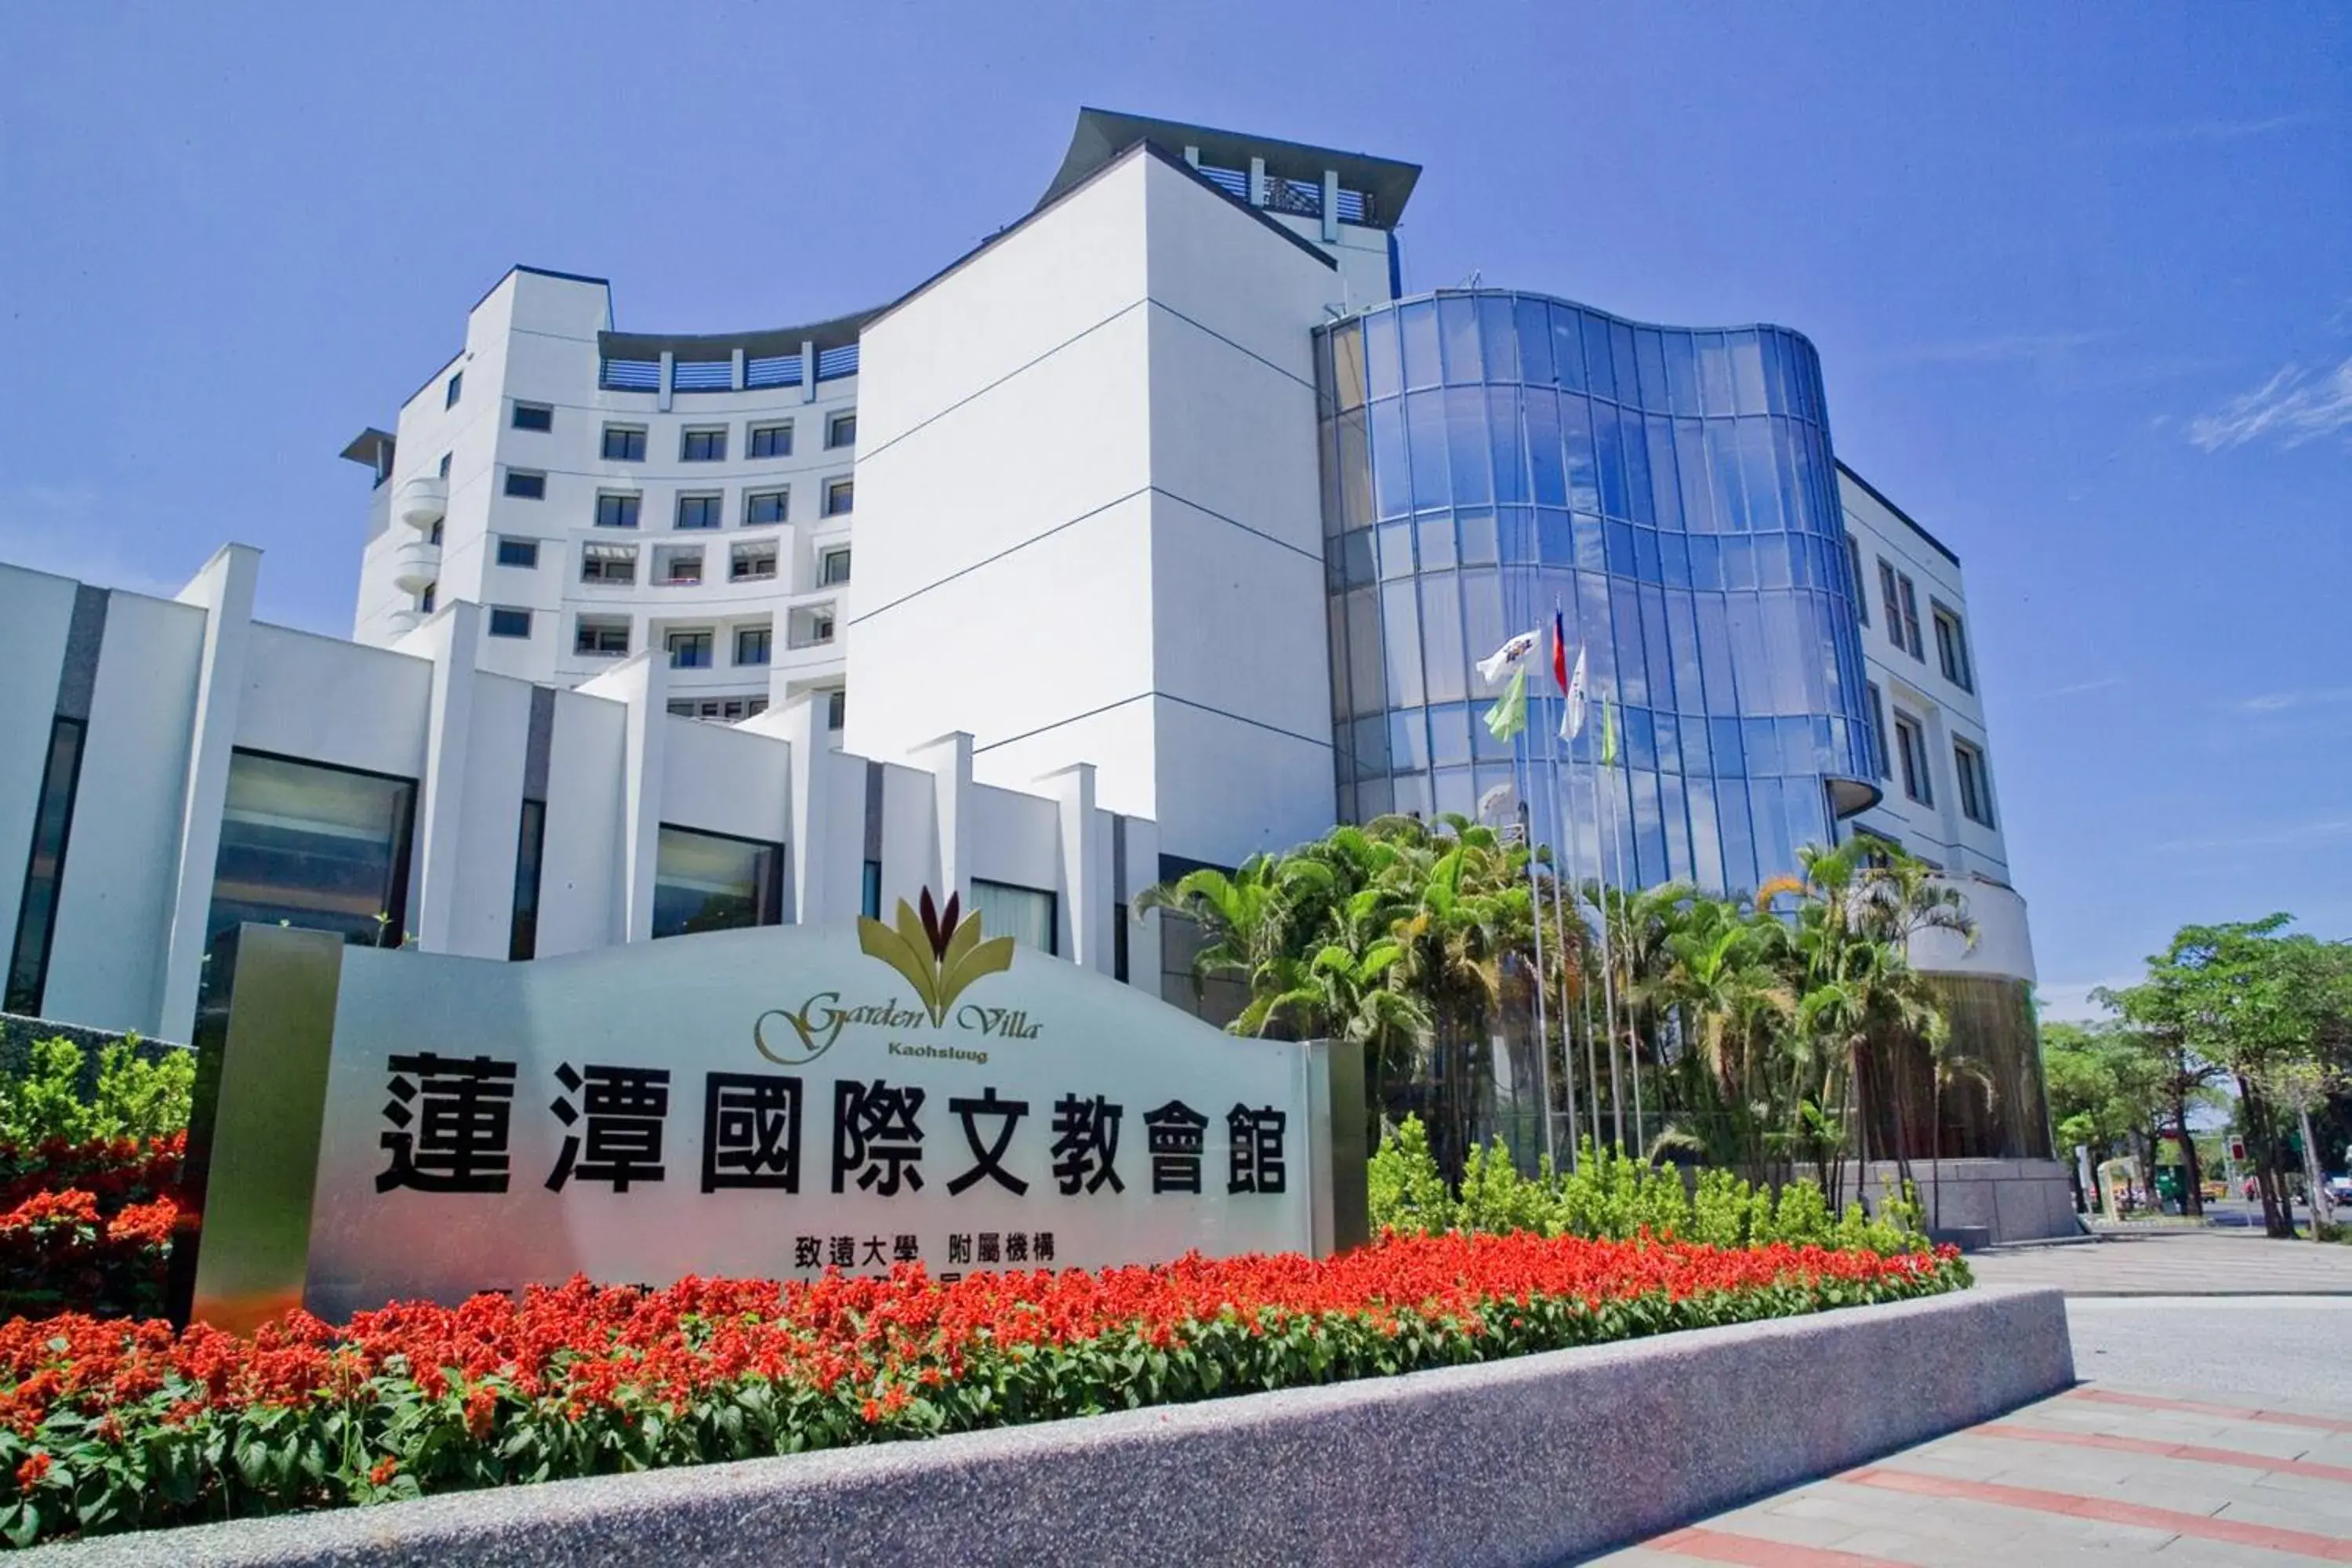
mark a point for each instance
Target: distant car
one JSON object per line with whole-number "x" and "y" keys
{"x": 2340, "y": 1189}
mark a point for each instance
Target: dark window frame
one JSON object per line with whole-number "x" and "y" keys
{"x": 633, "y": 502}
{"x": 491, "y": 627}
{"x": 632, "y": 439}
{"x": 530, "y": 863}
{"x": 533, "y": 483}
{"x": 710, "y": 504}
{"x": 588, "y": 631}
{"x": 711, "y": 438}
{"x": 453, "y": 390}
{"x": 543, "y": 412}
{"x": 25, "y": 992}
{"x": 840, "y": 497}
{"x": 1952, "y": 644}
{"x": 527, "y": 549}
{"x": 776, "y": 438}
{"x": 767, "y": 645}
{"x": 1974, "y": 778}
{"x": 781, "y": 495}
{"x": 1911, "y": 750}
{"x": 708, "y": 647}
{"x": 833, "y": 438}
{"x": 772, "y": 889}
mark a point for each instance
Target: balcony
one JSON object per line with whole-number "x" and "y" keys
{"x": 424, "y": 502}
{"x": 415, "y": 565}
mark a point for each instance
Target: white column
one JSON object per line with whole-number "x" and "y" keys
{"x": 1086, "y": 891}
{"x": 642, "y": 684}
{"x": 808, "y": 371}
{"x": 738, "y": 370}
{"x": 1257, "y": 183}
{"x": 949, "y": 762}
{"x": 1330, "y": 205}
{"x": 224, "y": 591}
{"x": 668, "y": 371}
{"x": 451, "y": 640}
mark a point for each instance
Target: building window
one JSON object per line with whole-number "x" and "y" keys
{"x": 444, "y": 469}
{"x": 752, "y": 563}
{"x": 832, "y": 568}
{"x": 37, "y": 912}
{"x": 424, "y": 601}
{"x": 773, "y": 440}
{"x": 305, "y": 845}
{"x": 1911, "y": 620}
{"x": 840, "y": 497}
{"x": 600, "y": 639}
{"x": 1024, "y": 914}
{"x": 703, "y": 446}
{"x": 617, "y": 510}
{"x": 1976, "y": 784}
{"x": 454, "y": 390}
{"x": 752, "y": 644}
{"x": 688, "y": 650}
{"x": 1951, "y": 647}
{"x": 1853, "y": 578}
{"x": 1911, "y": 751}
{"x": 679, "y": 567}
{"x": 836, "y": 708}
{"x": 533, "y": 416}
{"x": 869, "y": 891}
{"x": 624, "y": 444}
{"x": 699, "y": 511}
{"x": 711, "y": 881}
{"x": 608, "y": 563}
{"x": 509, "y": 623}
{"x": 526, "y": 486}
{"x": 521, "y": 553}
{"x": 809, "y": 628}
{"x": 1891, "y": 602}
{"x": 1878, "y": 731}
{"x": 1118, "y": 942}
{"x": 841, "y": 430}
{"x": 530, "y": 850}
{"x": 763, "y": 507}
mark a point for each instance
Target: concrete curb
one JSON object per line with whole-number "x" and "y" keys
{"x": 1536, "y": 1459}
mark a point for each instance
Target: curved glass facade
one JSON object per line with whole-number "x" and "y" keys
{"x": 1488, "y": 456}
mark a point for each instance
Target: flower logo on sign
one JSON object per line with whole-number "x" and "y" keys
{"x": 940, "y": 951}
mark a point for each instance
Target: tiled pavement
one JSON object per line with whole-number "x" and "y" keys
{"x": 2176, "y": 1263}
{"x": 2093, "y": 1474}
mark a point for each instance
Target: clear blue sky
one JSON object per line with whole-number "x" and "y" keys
{"x": 2081, "y": 277}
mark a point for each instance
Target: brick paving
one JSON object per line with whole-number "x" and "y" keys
{"x": 2093, "y": 1474}
{"x": 2176, "y": 1263}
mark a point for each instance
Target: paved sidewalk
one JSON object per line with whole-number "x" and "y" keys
{"x": 2094, "y": 1474}
{"x": 2176, "y": 1263}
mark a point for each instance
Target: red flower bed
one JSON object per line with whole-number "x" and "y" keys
{"x": 88, "y": 1226}
{"x": 116, "y": 1424}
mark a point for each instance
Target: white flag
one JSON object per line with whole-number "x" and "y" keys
{"x": 1571, "y": 710}
{"x": 1491, "y": 668}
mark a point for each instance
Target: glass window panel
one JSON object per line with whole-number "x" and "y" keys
{"x": 1027, "y": 915}
{"x": 1595, "y": 630}
{"x": 1732, "y": 828}
{"x": 1603, "y": 380}
{"x": 1749, "y": 654}
{"x": 1775, "y": 851}
{"x": 1576, "y": 429}
{"x": 1555, "y": 543}
{"x": 1383, "y": 369}
{"x": 1548, "y": 472}
{"x": 1682, "y": 373}
{"x": 1770, "y": 553}
{"x": 1444, "y": 658}
{"x": 1342, "y": 677}
{"x": 1498, "y": 338}
{"x": 1534, "y": 327}
{"x": 1661, "y": 656}
{"x": 1621, "y": 356}
{"x": 1408, "y": 740}
{"x": 705, "y": 881}
{"x": 1356, "y": 558}
{"x": 1620, "y": 538}
{"x": 1457, "y": 331}
{"x": 1437, "y": 550}
{"x": 1714, "y": 652}
{"x": 1649, "y": 351}
{"x": 1395, "y": 551}
{"x": 1706, "y": 843}
{"x": 1391, "y": 474}
{"x": 1760, "y": 474}
{"x": 1640, "y": 739}
{"x": 1372, "y": 747}
{"x": 1645, "y": 554}
{"x": 1483, "y": 627}
{"x": 1714, "y": 375}
{"x": 1761, "y": 740}
{"x": 1567, "y": 347}
{"x": 1503, "y": 438}
{"x": 1705, "y": 562}
{"x": 1723, "y": 469}
{"x": 1479, "y": 547}
{"x": 1791, "y": 651}
{"x": 1808, "y": 816}
{"x": 1727, "y": 743}
{"x": 1411, "y": 795}
{"x": 1677, "y": 826}
{"x": 1634, "y": 443}
{"x": 1449, "y": 734}
{"x": 1625, "y": 617}
{"x": 1376, "y": 798}
{"x": 1418, "y": 324}
{"x": 1747, "y": 374}
{"x": 1425, "y": 428}
{"x": 1465, "y": 437}
{"x": 1739, "y": 562}
{"x": 1395, "y": 634}
{"x": 1455, "y": 791}
{"x": 1649, "y": 836}
{"x": 1698, "y": 757}
{"x": 1355, "y": 462}
{"x": 1348, "y": 365}
{"x": 1665, "y": 489}
{"x": 29, "y": 967}
{"x": 1776, "y": 372}
{"x": 1610, "y": 458}
{"x": 1674, "y": 560}
{"x": 1590, "y": 554}
{"x": 1690, "y": 466}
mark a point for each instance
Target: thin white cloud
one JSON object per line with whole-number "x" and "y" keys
{"x": 2077, "y": 689}
{"x": 2292, "y": 408}
{"x": 2310, "y": 697}
{"x": 2191, "y": 131}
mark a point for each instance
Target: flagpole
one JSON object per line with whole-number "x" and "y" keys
{"x": 1565, "y": 881}
{"x": 1632, "y": 1039}
{"x": 1534, "y": 925}
{"x": 1608, "y": 945}
{"x": 1559, "y": 945}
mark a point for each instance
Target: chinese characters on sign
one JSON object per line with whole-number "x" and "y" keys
{"x": 448, "y": 1122}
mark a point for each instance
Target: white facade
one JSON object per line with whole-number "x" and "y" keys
{"x": 170, "y": 696}
{"x": 614, "y": 493}
{"x": 1937, "y": 792}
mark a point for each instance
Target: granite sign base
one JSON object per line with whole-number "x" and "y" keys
{"x": 1544, "y": 1459}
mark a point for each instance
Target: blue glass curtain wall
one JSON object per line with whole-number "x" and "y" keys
{"x": 1490, "y": 456}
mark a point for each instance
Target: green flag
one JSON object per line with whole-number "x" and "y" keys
{"x": 1509, "y": 716}
{"x": 1607, "y": 734}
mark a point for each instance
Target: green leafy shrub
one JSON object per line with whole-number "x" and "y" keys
{"x": 134, "y": 1098}
{"x": 1613, "y": 1196}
